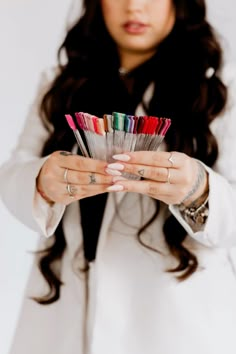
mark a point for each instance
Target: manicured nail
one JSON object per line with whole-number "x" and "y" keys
{"x": 115, "y": 188}
{"x": 118, "y": 178}
{"x": 116, "y": 166}
{"x": 121, "y": 157}
{"x": 113, "y": 172}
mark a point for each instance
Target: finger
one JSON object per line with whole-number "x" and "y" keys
{"x": 161, "y": 174}
{"x": 86, "y": 178}
{"x": 62, "y": 192}
{"x": 160, "y": 190}
{"x": 67, "y": 199}
{"x": 153, "y": 158}
{"x": 82, "y": 191}
{"x": 79, "y": 163}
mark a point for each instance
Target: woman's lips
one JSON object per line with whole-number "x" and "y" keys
{"x": 134, "y": 27}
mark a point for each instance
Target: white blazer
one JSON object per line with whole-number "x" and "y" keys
{"x": 128, "y": 303}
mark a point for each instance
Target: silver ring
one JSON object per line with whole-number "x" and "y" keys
{"x": 65, "y": 175}
{"x": 71, "y": 190}
{"x": 171, "y": 159}
{"x": 168, "y": 176}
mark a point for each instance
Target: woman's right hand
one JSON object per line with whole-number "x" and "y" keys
{"x": 65, "y": 177}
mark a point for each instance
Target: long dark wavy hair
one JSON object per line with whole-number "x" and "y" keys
{"x": 183, "y": 92}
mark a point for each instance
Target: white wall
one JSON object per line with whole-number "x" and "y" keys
{"x": 222, "y": 16}
{"x": 30, "y": 32}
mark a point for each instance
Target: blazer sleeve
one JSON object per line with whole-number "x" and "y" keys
{"x": 220, "y": 228}
{"x": 18, "y": 174}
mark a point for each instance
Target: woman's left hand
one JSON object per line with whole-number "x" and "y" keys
{"x": 166, "y": 176}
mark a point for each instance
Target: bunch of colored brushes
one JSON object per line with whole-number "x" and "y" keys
{"x": 117, "y": 133}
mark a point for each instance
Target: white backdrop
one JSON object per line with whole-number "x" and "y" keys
{"x": 30, "y": 32}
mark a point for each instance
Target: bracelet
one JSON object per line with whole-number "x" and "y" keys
{"x": 196, "y": 215}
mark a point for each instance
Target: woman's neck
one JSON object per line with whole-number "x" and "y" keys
{"x": 129, "y": 61}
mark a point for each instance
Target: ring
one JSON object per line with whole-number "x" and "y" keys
{"x": 171, "y": 159}
{"x": 168, "y": 176}
{"x": 65, "y": 175}
{"x": 70, "y": 189}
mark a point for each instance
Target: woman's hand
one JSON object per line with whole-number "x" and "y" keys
{"x": 171, "y": 177}
{"x": 65, "y": 178}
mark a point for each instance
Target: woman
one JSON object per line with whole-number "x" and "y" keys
{"x": 143, "y": 266}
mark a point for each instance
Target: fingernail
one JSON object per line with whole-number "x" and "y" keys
{"x": 118, "y": 178}
{"x": 121, "y": 157}
{"x": 115, "y": 188}
{"x": 116, "y": 166}
{"x": 112, "y": 172}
